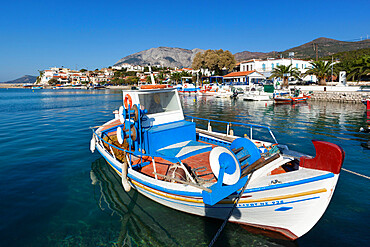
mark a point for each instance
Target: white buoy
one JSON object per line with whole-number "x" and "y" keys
{"x": 92, "y": 144}
{"x": 119, "y": 135}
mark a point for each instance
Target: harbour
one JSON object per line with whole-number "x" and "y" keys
{"x": 74, "y": 197}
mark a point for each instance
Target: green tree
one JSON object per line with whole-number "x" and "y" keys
{"x": 83, "y": 70}
{"x": 161, "y": 77}
{"x": 282, "y": 71}
{"x": 360, "y": 68}
{"x": 53, "y": 81}
{"x": 41, "y": 73}
{"x": 214, "y": 60}
{"x": 132, "y": 80}
{"x": 148, "y": 79}
{"x": 176, "y": 77}
{"x": 321, "y": 69}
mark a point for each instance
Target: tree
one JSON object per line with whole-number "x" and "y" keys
{"x": 53, "y": 81}
{"x": 176, "y": 77}
{"x": 131, "y": 80}
{"x": 161, "y": 77}
{"x": 148, "y": 80}
{"x": 360, "y": 68}
{"x": 214, "y": 60}
{"x": 285, "y": 72}
{"x": 321, "y": 69}
{"x": 83, "y": 70}
{"x": 38, "y": 80}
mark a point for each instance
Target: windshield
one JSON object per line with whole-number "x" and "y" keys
{"x": 159, "y": 102}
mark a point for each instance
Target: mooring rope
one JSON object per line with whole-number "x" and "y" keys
{"x": 358, "y": 174}
{"x": 230, "y": 213}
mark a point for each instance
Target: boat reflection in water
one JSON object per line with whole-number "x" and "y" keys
{"x": 137, "y": 225}
{"x": 145, "y": 223}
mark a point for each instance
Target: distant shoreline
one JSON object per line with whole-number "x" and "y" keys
{"x": 16, "y": 85}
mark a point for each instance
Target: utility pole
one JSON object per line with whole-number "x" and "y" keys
{"x": 332, "y": 69}
{"x": 316, "y": 48}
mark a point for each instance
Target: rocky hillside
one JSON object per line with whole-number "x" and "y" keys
{"x": 165, "y": 56}
{"x": 23, "y": 80}
{"x": 326, "y": 47}
{"x": 178, "y": 57}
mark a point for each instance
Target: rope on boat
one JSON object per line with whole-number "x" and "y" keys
{"x": 358, "y": 174}
{"x": 230, "y": 213}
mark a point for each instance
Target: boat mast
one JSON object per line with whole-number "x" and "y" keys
{"x": 151, "y": 75}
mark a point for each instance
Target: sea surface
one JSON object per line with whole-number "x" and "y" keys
{"x": 55, "y": 192}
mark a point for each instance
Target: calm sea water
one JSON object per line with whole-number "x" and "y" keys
{"x": 54, "y": 192}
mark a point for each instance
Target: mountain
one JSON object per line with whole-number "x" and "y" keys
{"x": 165, "y": 56}
{"x": 326, "y": 47}
{"x": 246, "y": 55}
{"x": 178, "y": 57}
{"x": 23, "y": 80}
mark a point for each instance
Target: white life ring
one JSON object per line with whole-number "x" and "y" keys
{"x": 214, "y": 160}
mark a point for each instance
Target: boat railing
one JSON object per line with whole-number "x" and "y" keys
{"x": 140, "y": 155}
{"x": 252, "y": 127}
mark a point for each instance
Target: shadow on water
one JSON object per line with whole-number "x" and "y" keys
{"x": 146, "y": 223}
{"x": 112, "y": 199}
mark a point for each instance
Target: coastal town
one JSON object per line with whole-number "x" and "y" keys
{"x": 175, "y": 124}
{"x": 315, "y": 77}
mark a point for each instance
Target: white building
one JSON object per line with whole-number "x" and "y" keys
{"x": 129, "y": 67}
{"x": 61, "y": 74}
{"x": 243, "y": 77}
{"x": 266, "y": 66}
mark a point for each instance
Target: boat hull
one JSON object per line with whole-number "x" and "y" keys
{"x": 291, "y": 100}
{"x": 290, "y": 208}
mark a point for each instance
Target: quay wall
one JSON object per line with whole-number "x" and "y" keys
{"x": 345, "y": 97}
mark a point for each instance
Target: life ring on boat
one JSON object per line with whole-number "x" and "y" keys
{"x": 185, "y": 86}
{"x": 153, "y": 86}
{"x": 127, "y": 101}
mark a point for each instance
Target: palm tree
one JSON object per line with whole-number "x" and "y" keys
{"x": 161, "y": 77}
{"x": 321, "y": 69}
{"x": 38, "y": 80}
{"x": 285, "y": 72}
{"x": 176, "y": 77}
{"x": 360, "y": 68}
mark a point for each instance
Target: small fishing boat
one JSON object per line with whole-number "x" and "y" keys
{"x": 168, "y": 158}
{"x": 187, "y": 88}
{"x": 208, "y": 90}
{"x": 226, "y": 92}
{"x": 257, "y": 93}
{"x": 98, "y": 86}
{"x": 294, "y": 96}
{"x": 37, "y": 87}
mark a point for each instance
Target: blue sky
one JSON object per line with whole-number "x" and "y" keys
{"x": 36, "y": 35}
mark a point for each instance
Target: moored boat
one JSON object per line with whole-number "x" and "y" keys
{"x": 294, "y": 96}
{"x": 172, "y": 161}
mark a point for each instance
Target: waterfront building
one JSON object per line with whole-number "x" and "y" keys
{"x": 128, "y": 67}
{"x": 266, "y": 66}
{"x": 243, "y": 77}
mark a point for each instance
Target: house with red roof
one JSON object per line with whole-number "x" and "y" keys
{"x": 243, "y": 77}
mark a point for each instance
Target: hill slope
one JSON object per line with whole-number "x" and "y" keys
{"x": 23, "y": 80}
{"x": 326, "y": 47}
{"x": 165, "y": 56}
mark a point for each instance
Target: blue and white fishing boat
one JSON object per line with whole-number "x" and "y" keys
{"x": 170, "y": 159}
